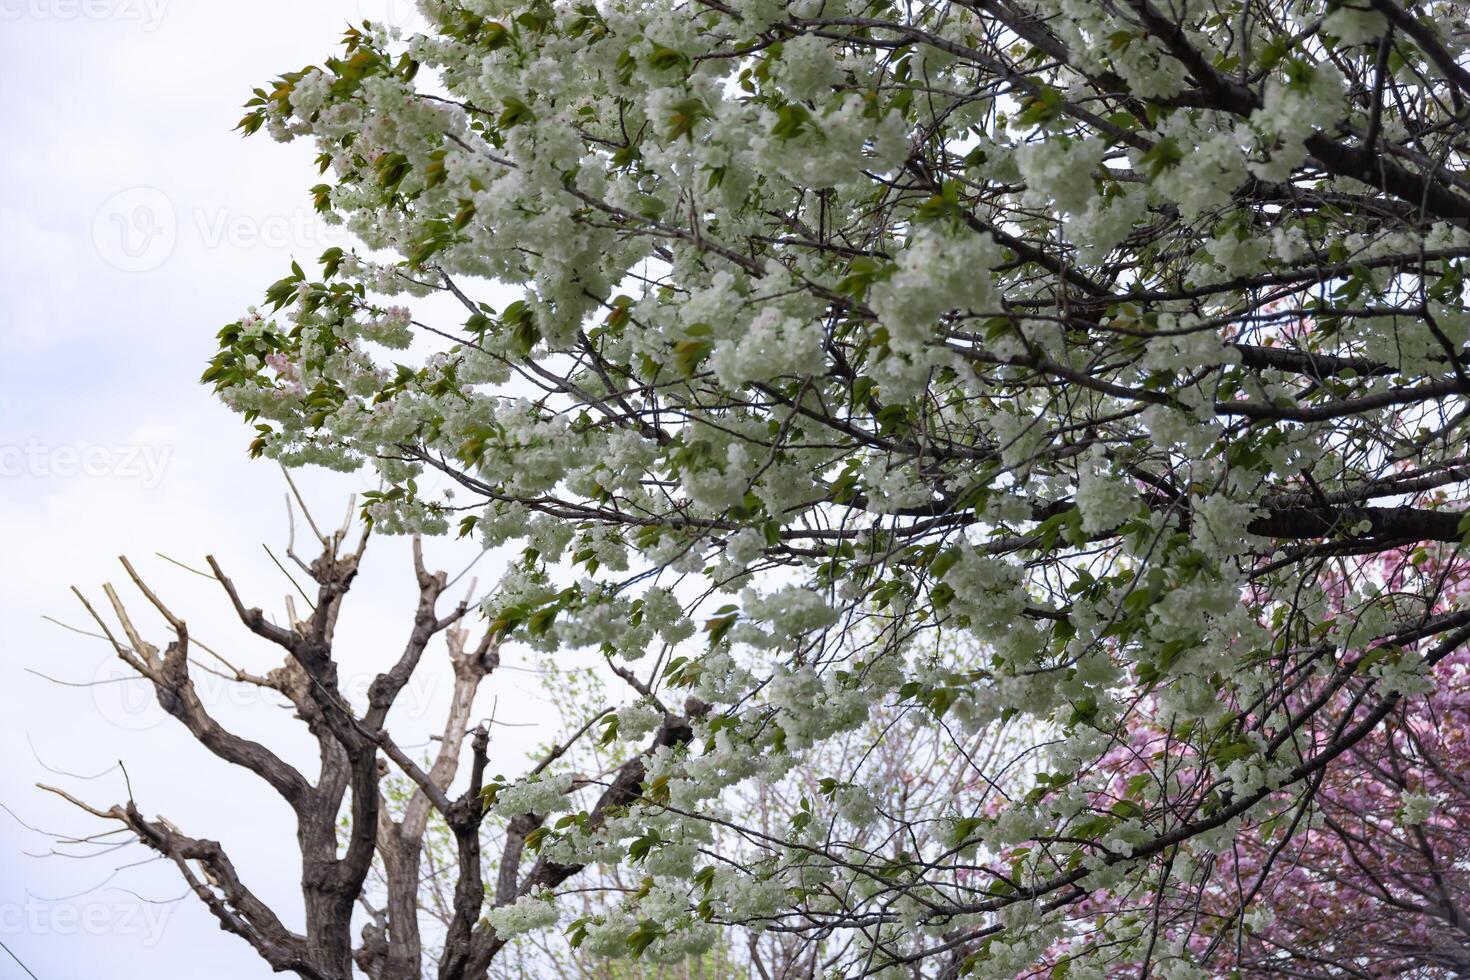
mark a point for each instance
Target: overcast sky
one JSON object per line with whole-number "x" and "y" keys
{"x": 133, "y": 224}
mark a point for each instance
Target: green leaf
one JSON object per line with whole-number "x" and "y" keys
{"x": 1163, "y": 155}
{"x": 687, "y": 113}
{"x": 791, "y": 120}
{"x": 719, "y": 627}
{"x": 690, "y": 354}
{"x": 944, "y": 561}
{"x": 514, "y": 113}
{"x": 666, "y": 59}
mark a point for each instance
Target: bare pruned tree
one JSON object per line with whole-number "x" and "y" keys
{"x": 353, "y": 915}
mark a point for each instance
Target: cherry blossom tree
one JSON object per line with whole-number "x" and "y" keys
{"x": 783, "y": 338}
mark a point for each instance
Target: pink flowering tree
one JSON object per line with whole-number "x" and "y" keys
{"x": 1361, "y": 871}
{"x": 1378, "y": 885}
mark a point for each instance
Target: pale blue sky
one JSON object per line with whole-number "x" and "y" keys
{"x": 116, "y": 113}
